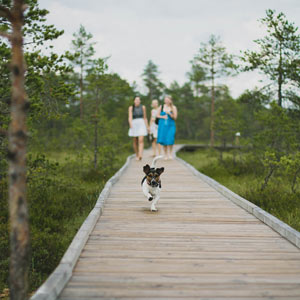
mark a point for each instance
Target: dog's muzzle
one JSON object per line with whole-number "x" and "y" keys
{"x": 153, "y": 183}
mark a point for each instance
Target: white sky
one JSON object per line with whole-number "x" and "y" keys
{"x": 168, "y": 32}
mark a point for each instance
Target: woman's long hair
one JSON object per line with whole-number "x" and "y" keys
{"x": 171, "y": 104}
{"x": 133, "y": 104}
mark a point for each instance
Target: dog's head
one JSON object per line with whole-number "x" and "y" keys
{"x": 153, "y": 175}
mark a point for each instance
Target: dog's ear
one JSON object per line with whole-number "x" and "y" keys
{"x": 146, "y": 169}
{"x": 160, "y": 170}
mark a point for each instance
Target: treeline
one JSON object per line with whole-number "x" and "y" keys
{"x": 77, "y": 121}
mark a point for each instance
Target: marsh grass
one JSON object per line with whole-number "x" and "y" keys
{"x": 63, "y": 187}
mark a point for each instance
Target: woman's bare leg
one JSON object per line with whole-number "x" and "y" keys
{"x": 166, "y": 152}
{"x": 135, "y": 146}
{"x": 141, "y": 146}
{"x": 170, "y": 151}
{"x": 159, "y": 148}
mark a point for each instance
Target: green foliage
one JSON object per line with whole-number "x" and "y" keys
{"x": 4, "y": 237}
{"x": 227, "y": 121}
{"x": 64, "y": 178}
{"x": 277, "y": 131}
{"x": 81, "y": 59}
{"x": 189, "y": 124}
{"x": 83, "y": 48}
{"x": 278, "y": 57}
{"x": 196, "y": 76}
{"x": 290, "y": 166}
{"x": 60, "y": 194}
{"x": 212, "y": 61}
{"x": 250, "y": 103}
{"x": 152, "y": 82}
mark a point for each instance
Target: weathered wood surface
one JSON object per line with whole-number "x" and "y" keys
{"x": 199, "y": 245}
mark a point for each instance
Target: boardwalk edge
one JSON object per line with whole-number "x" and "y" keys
{"x": 55, "y": 283}
{"x": 280, "y": 227}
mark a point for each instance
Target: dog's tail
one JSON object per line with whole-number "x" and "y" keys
{"x": 156, "y": 158}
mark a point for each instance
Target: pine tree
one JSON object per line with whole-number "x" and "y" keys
{"x": 152, "y": 82}
{"x": 213, "y": 61}
{"x": 19, "y": 226}
{"x": 81, "y": 57}
{"x": 279, "y": 55}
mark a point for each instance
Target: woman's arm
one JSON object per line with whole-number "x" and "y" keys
{"x": 130, "y": 116}
{"x": 145, "y": 117}
{"x": 158, "y": 114}
{"x": 173, "y": 113}
{"x": 152, "y": 119}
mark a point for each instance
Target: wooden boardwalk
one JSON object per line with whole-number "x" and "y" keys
{"x": 199, "y": 245}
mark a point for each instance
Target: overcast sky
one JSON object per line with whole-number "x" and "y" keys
{"x": 168, "y": 32}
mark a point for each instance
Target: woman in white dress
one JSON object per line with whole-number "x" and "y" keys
{"x": 138, "y": 126}
{"x": 154, "y": 127}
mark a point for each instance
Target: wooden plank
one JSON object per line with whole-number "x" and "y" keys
{"x": 199, "y": 245}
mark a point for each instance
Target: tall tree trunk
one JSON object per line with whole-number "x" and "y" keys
{"x": 280, "y": 76}
{"x": 96, "y": 142}
{"x": 96, "y": 130}
{"x": 81, "y": 97}
{"x": 212, "y": 114}
{"x": 19, "y": 227}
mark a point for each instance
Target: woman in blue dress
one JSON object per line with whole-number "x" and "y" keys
{"x": 167, "y": 114}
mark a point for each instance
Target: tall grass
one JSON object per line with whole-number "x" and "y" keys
{"x": 62, "y": 189}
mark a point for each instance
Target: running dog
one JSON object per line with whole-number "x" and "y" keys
{"x": 151, "y": 183}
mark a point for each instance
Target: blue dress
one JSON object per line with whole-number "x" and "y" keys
{"x": 166, "y": 131}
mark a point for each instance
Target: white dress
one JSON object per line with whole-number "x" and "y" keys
{"x": 138, "y": 128}
{"x": 138, "y": 122}
{"x": 154, "y": 127}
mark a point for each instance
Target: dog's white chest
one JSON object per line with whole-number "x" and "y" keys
{"x": 150, "y": 189}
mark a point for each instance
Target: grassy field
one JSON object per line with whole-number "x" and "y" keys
{"x": 238, "y": 174}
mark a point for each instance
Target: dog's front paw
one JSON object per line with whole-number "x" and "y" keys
{"x": 150, "y": 198}
{"x": 153, "y": 208}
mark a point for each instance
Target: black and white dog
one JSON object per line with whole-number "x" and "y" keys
{"x": 151, "y": 183}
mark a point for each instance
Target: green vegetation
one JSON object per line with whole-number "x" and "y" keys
{"x": 77, "y": 139}
{"x": 78, "y": 124}
{"x": 243, "y": 174}
{"x": 62, "y": 189}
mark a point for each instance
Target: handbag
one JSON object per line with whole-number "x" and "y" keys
{"x": 156, "y": 121}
